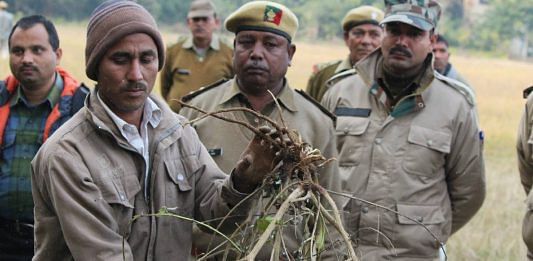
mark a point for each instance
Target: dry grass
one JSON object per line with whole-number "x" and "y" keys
{"x": 494, "y": 233}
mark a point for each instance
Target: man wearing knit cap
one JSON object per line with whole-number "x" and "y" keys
{"x": 362, "y": 34}
{"x": 408, "y": 140}
{"x": 197, "y": 60}
{"x": 263, "y": 46}
{"x": 126, "y": 155}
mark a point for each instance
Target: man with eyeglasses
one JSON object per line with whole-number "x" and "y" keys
{"x": 197, "y": 60}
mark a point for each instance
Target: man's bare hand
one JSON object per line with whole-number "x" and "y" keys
{"x": 257, "y": 160}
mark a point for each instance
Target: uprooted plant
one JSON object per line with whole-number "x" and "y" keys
{"x": 292, "y": 194}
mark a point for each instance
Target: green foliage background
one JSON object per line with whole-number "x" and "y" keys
{"x": 320, "y": 19}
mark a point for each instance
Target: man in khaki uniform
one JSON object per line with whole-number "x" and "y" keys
{"x": 263, "y": 51}
{"x": 408, "y": 140}
{"x": 198, "y": 60}
{"x": 524, "y": 148}
{"x": 362, "y": 34}
{"x": 127, "y": 155}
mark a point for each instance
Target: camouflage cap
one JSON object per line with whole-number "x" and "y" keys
{"x": 422, "y": 14}
{"x": 201, "y": 8}
{"x": 263, "y": 16}
{"x": 362, "y": 15}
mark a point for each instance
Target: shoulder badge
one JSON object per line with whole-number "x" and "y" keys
{"x": 460, "y": 87}
{"x": 339, "y": 76}
{"x": 193, "y": 94}
{"x": 527, "y": 91}
{"x": 318, "y": 105}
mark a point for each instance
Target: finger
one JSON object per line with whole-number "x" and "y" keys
{"x": 243, "y": 164}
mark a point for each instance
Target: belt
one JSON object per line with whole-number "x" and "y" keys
{"x": 16, "y": 227}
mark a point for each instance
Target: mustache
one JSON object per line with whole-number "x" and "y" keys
{"x": 134, "y": 86}
{"x": 400, "y": 50}
{"x": 256, "y": 66}
{"x": 28, "y": 66}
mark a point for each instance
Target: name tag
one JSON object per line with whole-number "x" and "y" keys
{"x": 215, "y": 152}
{"x": 183, "y": 71}
{"x": 352, "y": 112}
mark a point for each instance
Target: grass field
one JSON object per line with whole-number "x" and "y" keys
{"x": 494, "y": 233}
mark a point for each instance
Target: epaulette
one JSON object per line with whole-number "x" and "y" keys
{"x": 320, "y": 66}
{"x": 318, "y": 105}
{"x": 527, "y": 91}
{"x": 460, "y": 87}
{"x": 339, "y": 76}
{"x": 193, "y": 94}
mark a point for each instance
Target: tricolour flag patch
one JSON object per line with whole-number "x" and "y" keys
{"x": 273, "y": 15}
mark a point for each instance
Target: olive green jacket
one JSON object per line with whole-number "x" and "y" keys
{"x": 225, "y": 141}
{"x": 422, "y": 158}
{"x": 184, "y": 71}
{"x": 88, "y": 183}
{"x": 316, "y": 85}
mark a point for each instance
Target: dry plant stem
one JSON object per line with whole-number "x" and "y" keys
{"x": 395, "y": 212}
{"x": 296, "y": 193}
{"x": 243, "y": 109}
{"x": 225, "y": 217}
{"x": 336, "y": 222}
{"x": 164, "y": 213}
{"x": 245, "y": 124}
{"x": 280, "y": 114}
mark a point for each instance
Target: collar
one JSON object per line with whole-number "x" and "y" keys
{"x": 52, "y": 98}
{"x": 285, "y": 97}
{"x": 151, "y": 114}
{"x": 370, "y": 69}
{"x": 345, "y": 64}
{"x": 215, "y": 43}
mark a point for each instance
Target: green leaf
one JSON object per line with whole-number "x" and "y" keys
{"x": 263, "y": 223}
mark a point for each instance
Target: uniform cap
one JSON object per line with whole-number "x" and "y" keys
{"x": 263, "y": 16}
{"x": 422, "y": 14}
{"x": 3, "y": 5}
{"x": 362, "y": 15}
{"x": 201, "y": 8}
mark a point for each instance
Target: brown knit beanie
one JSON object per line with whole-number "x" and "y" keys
{"x": 112, "y": 21}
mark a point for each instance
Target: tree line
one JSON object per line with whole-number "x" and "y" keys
{"x": 493, "y": 31}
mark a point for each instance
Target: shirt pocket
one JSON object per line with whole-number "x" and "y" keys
{"x": 119, "y": 188}
{"x": 350, "y": 132}
{"x": 426, "y": 150}
{"x": 179, "y": 192}
{"x": 414, "y": 222}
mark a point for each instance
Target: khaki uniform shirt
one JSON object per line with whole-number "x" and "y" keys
{"x": 225, "y": 141}
{"x": 524, "y": 148}
{"x": 88, "y": 183}
{"x": 184, "y": 71}
{"x": 420, "y": 158}
{"x": 316, "y": 85}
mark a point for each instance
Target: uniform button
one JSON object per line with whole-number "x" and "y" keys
{"x": 256, "y": 120}
{"x": 430, "y": 143}
{"x": 365, "y": 210}
{"x": 378, "y": 141}
{"x": 180, "y": 177}
{"x": 420, "y": 105}
{"x": 346, "y": 130}
{"x": 122, "y": 197}
{"x": 419, "y": 219}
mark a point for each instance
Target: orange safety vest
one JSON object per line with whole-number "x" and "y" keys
{"x": 69, "y": 87}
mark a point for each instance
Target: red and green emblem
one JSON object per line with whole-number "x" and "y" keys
{"x": 273, "y": 15}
